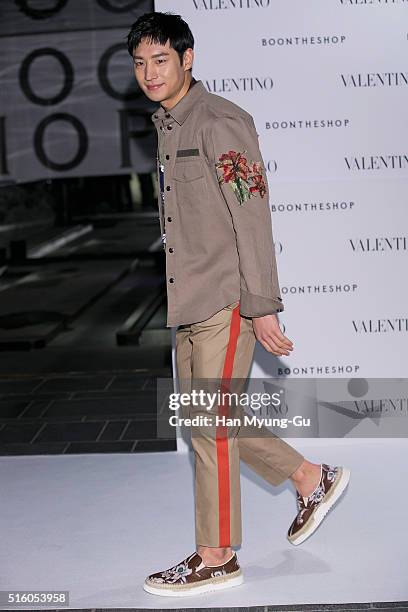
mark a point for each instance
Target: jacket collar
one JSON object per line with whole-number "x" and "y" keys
{"x": 183, "y": 108}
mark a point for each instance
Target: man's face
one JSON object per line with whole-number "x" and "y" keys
{"x": 158, "y": 70}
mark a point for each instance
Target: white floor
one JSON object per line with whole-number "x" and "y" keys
{"x": 95, "y": 525}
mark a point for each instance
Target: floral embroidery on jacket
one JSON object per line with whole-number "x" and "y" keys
{"x": 245, "y": 177}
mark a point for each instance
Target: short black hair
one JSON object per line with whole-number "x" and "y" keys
{"x": 160, "y": 28}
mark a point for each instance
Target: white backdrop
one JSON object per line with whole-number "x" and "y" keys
{"x": 326, "y": 83}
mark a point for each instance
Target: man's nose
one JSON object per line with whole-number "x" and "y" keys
{"x": 150, "y": 72}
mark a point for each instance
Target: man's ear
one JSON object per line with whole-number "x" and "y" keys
{"x": 188, "y": 59}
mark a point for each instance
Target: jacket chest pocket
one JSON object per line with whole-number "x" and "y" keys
{"x": 189, "y": 181}
{"x": 188, "y": 171}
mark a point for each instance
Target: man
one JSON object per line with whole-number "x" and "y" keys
{"x": 223, "y": 294}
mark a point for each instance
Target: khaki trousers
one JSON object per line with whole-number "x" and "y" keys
{"x": 222, "y": 348}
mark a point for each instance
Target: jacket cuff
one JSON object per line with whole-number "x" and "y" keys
{"x": 252, "y": 305}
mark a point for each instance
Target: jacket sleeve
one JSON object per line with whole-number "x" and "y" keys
{"x": 242, "y": 180}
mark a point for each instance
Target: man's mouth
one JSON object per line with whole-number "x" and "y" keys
{"x": 153, "y": 87}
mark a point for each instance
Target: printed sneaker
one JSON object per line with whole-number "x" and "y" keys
{"x": 191, "y": 577}
{"x": 313, "y": 509}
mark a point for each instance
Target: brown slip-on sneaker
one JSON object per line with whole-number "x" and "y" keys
{"x": 192, "y": 577}
{"x": 313, "y": 509}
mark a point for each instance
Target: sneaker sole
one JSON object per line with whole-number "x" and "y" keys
{"x": 326, "y": 505}
{"x": 185, "y": 591}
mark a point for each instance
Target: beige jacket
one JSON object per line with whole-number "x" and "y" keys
{"x": 219, "y": 245}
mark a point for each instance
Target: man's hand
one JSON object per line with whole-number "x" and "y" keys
{"x": 269, "y": 334}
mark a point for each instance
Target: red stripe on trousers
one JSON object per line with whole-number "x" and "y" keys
{"x": 224, "y": 497}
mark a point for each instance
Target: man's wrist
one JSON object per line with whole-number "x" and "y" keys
{"x": 252, "y": 305}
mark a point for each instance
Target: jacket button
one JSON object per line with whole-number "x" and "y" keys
{"x": 169, "y": 127}
{"x": 168, "y": 188}
{"x": 171, "y": 279}
{"x": 167, "y": 156}
{"x": 171, "y": 250}
{"x": 169, "y": 219}
{"x": 167, "y": 115}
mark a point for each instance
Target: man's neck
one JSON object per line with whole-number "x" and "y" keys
{"x": 168, "y": 105}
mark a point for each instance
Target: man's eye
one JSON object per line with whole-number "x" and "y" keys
{"x": 160, "y": 61}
